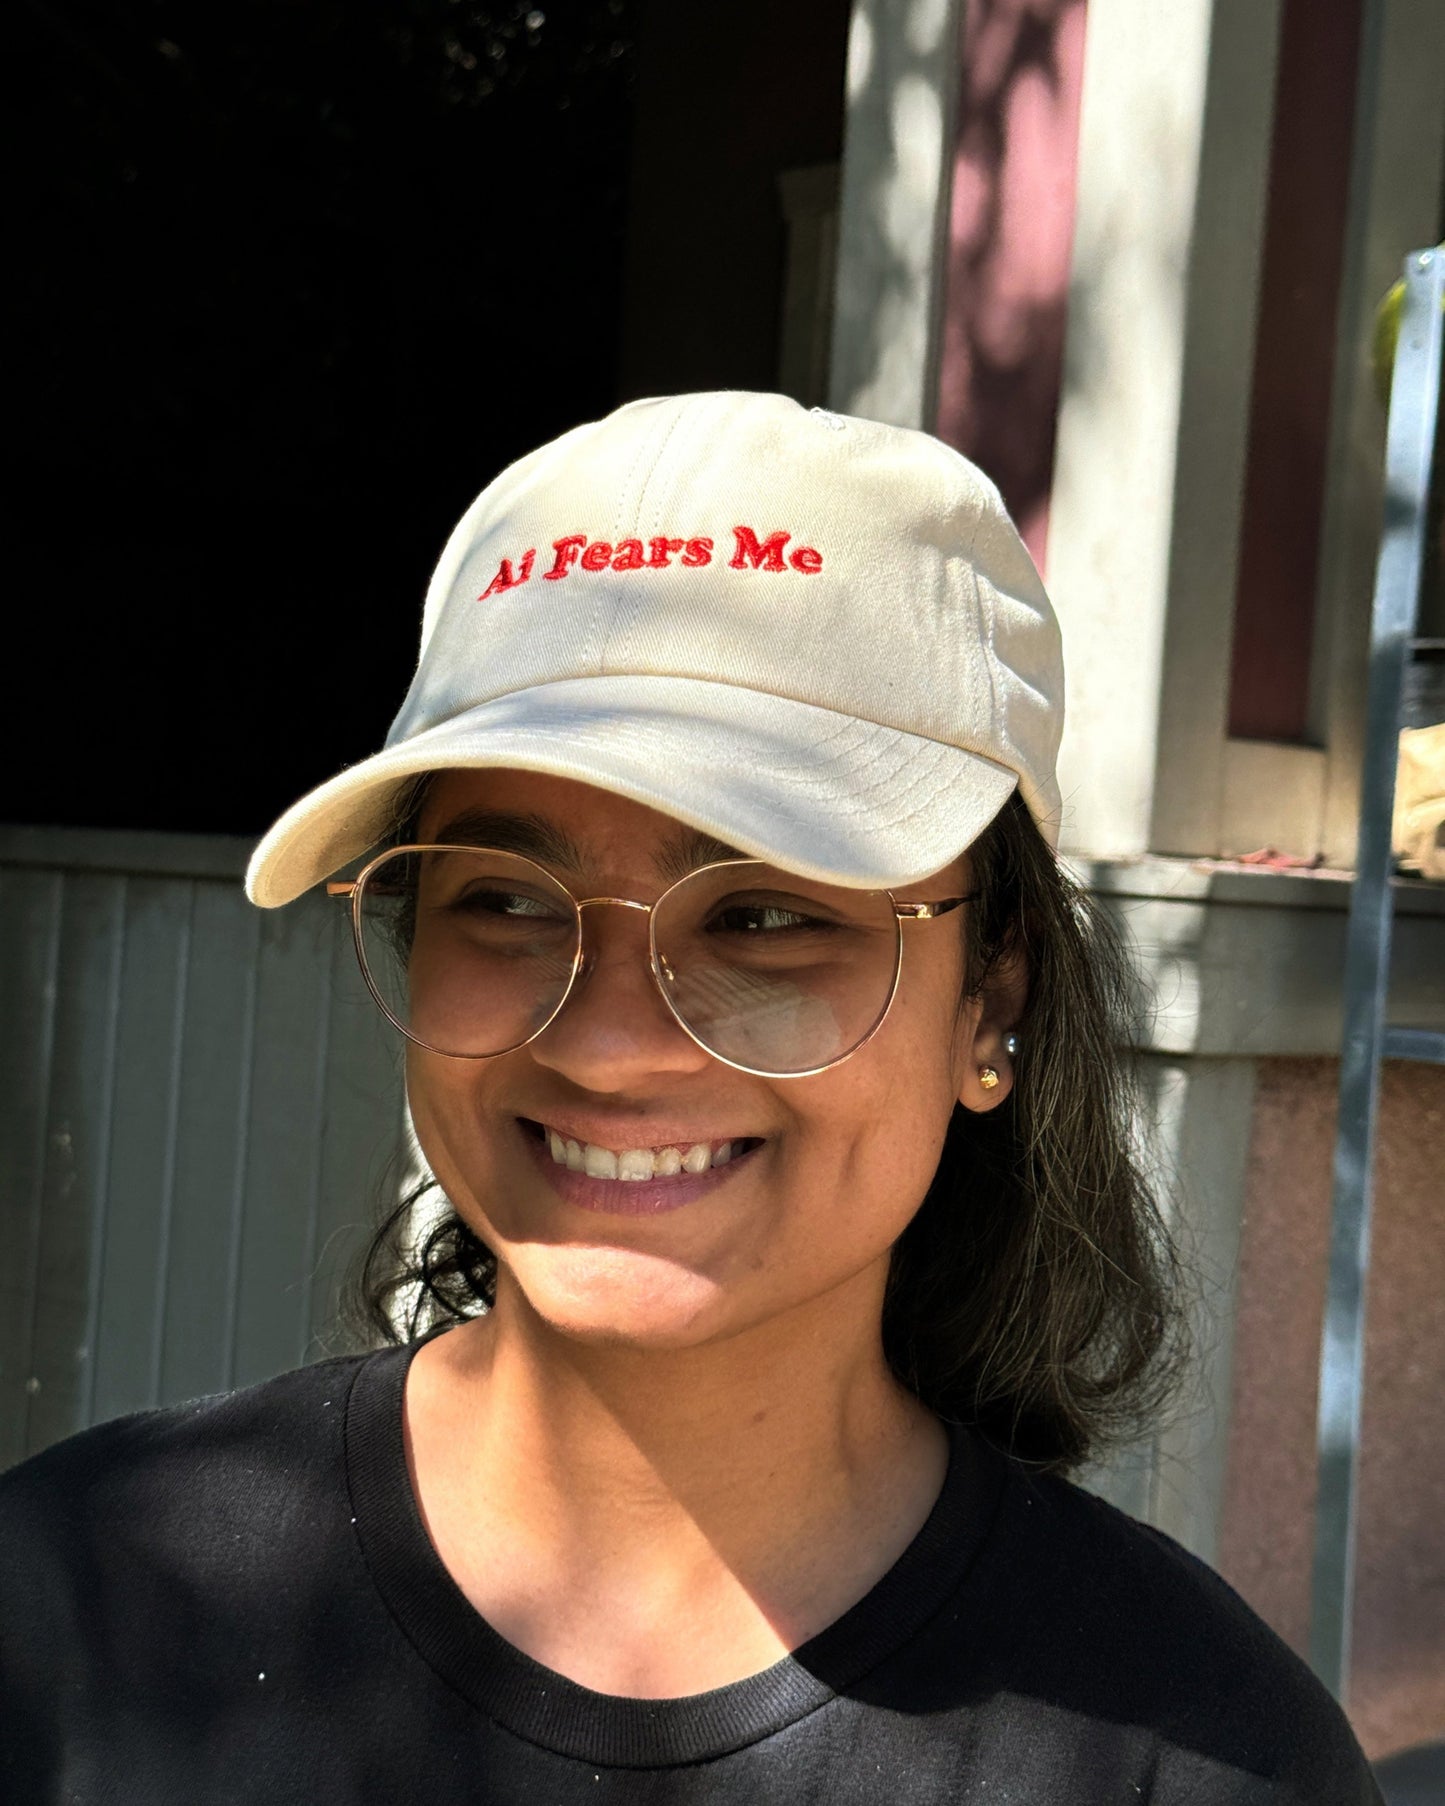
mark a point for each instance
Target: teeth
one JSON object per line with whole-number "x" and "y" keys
{"x": 634, "y": 1164}
{"x": 600, "y": 1163}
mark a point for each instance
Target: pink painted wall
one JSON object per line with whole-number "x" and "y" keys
{"x": 1398, "y": 1695}
{"x": 1009, "y": 243}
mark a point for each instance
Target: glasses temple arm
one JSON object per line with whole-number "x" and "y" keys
{"x": 925, "y": 912}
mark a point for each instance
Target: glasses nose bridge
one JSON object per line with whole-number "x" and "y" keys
{"x": 617, "y": 902}
{"x": 657, "y": 966}
{"x": 587, "y": 954}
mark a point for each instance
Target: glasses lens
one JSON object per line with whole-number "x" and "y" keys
{"x": 773, "y": 972}
{"x": 468, "y": 951}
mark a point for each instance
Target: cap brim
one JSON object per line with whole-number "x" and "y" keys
{"x": 821, "y": 793}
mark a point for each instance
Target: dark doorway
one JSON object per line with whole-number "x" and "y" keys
{"x": 296, "y": 280}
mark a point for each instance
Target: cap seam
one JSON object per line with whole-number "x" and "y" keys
{"x": 619, "y": 631}
{"x": 600, "y": 636}
{"x": 985, "y": 619}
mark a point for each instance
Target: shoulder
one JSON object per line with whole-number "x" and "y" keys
{"x": 1119, "y": 1621}
{"x": 138, "y": 1478}
{"x": 1140, "y": 1589}
{"x": 146, "y": 1561}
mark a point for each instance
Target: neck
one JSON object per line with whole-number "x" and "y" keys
{"x": 779, "y": 1472}
{"x": 752, "y": 1419}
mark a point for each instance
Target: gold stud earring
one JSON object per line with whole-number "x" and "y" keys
{"x": 987, "y": 1077}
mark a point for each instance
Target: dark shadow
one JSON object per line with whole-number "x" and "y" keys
{"x": 294, "y": 284}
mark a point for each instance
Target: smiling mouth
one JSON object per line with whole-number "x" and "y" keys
{"x": 636, "y": 1165}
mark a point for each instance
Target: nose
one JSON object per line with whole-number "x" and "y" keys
{"x": 615, "y": 1028}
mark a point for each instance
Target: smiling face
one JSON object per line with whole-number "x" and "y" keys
{"x": 786, "y": 1191}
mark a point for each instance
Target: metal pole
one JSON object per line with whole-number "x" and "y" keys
{"x": 1414, "y": 403}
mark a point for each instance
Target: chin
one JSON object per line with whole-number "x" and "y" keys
{"x": 617, "y": 1298}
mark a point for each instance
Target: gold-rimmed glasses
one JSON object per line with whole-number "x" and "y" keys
{"x": 472, "y": 952}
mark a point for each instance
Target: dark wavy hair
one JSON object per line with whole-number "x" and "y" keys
{"x": 1035, "y": 1293}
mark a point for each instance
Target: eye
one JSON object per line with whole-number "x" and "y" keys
{"x": 506, "y": 905}
{"x": 763, "y": 918}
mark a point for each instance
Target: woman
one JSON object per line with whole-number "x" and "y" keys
{"x": 792, "y": 1248}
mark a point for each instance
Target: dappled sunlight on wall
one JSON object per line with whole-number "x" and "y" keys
{"x": 1009, "y": 243}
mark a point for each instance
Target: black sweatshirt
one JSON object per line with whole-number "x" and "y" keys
{"x": 235, "y": 1601}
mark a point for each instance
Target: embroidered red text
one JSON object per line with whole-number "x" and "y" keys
{"x": 767, "y": 554}
{"x": 576, "y": 551}
{"x": 504, "y": 578}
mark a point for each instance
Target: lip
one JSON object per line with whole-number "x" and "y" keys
{"x": 630, "y": 1197}
{"x": 617, "y": 1135}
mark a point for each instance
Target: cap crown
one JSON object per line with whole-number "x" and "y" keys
{"x": 738, "y": 539}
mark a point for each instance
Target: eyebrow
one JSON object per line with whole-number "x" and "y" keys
{"x": 534, "y": 837}
{"x": 688, "y": 848}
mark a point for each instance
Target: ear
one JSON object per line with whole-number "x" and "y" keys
{"x": 985, "y": 1026}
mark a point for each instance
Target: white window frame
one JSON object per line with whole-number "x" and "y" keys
{"x": 1148, "y": 487}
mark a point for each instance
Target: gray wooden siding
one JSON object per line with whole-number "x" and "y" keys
{"x": 200, "y": 1112}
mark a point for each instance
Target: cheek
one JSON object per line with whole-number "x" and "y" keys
{"x": 920, "y": 1068}
{"x": 876, "y": 1146}
{"x": 445, "y": 1113}
{"x": 933, "y": 1028}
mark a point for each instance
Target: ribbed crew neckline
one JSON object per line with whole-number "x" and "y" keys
{"x": 546, "y": 1708}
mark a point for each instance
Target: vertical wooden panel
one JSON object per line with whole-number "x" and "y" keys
{"x": 77, "y": 1142}
{"x": 147, "y": 1069}
{"x": 210, "y": 1133}
{"x": 236, "y": 1210}
{"x": 166, "y": 1201}
{"x": 29, "y": 953}
{"x": 199, "y": 1109}
{"x": 272, "y": 1297}
{"x": 362, "y": 1130}
{"x": 316, "y": 1153}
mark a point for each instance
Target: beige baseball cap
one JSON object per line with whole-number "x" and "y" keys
{"x": 816, "y": 637}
